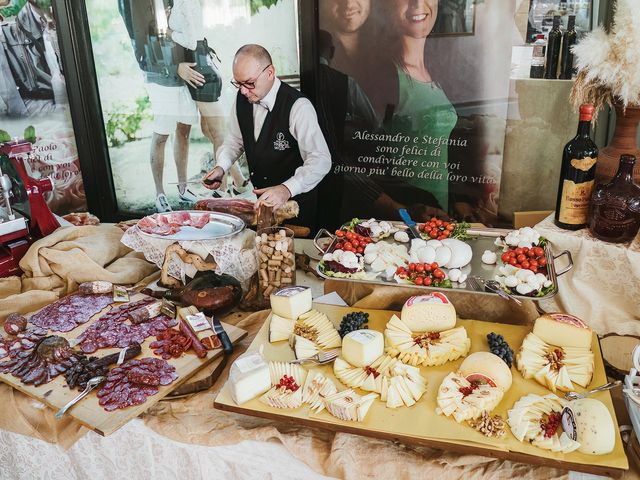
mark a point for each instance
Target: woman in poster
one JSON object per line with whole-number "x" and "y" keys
{"x": 417, "y": 106}
{"x": 186, "y": 29}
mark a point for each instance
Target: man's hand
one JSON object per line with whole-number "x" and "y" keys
{"x": 189, "y": 75}
{"x": 273, "y": 196}
{"x": 213, "y": 179}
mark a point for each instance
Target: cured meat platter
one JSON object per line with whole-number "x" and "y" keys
{"x": 418, "y": 422}
{"x": 190, "y": 225}
{"x": 472, "y": 272}
{"x": 107, "y": 336}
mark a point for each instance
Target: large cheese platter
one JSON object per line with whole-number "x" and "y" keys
{"x": 130, "y": 346}
{"x": 424, "y": 376}
{"x": 516, "y": 264}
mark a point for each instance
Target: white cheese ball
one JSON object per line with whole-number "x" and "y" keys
{"x": 454, "y": 274}
{"x": 489, "y": 257}
{"x": 401, "y": 237}
{"x": 511, "y": 281}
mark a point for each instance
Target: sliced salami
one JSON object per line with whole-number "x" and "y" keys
{"x": 134, "y": 381}
{"x": 70, "y": 311}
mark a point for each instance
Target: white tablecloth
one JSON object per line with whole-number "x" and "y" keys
{"x": 137, "y": 452}
{"x": 603, "y": 287}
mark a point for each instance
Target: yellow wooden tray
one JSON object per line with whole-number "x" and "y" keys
{"x": 420, "y": 424}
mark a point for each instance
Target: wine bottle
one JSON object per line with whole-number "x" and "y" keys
{"x": 553, "y": 49}
{"x": 615, "y": 206}
{"x": 568, "y": 40}
{"x": 537, "y": 59}
{"x": 577, "y": 175}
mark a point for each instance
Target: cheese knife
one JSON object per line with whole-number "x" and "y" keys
{"x": 409, "y": 222}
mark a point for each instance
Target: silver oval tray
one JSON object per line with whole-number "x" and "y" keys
{"x": 221, "y": 225}
{"x": 477, "y": 271}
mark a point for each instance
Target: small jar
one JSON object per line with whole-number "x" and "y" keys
{"x": 276, "y": 259}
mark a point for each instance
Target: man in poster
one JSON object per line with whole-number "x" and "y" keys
{"x": 278, "y": 130}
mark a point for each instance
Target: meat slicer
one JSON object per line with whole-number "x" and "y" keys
{"x": 24, "y": 214}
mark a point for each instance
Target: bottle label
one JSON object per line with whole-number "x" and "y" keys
{"x": 584, "y": 164}
{"x": 574, "y": 205}
{"x": 539, "y": 50}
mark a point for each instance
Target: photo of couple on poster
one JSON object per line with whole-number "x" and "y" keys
{"x": 397, "y": 139}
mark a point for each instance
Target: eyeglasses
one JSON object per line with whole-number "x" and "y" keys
{"x": 249, "y": 84}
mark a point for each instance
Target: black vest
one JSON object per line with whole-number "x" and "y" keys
{"x": 275, "y": 156}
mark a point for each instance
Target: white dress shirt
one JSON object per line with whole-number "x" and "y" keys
{"x": 303, "y": 125}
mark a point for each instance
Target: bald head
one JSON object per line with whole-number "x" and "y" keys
{"x": 254, "y": 52}
{"x": 253, "y": 71}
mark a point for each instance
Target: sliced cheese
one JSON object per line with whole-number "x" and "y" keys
{"x": 249, "y": 377}
{"x": 429, "y": 313}
{"x": 563, "y": 330}
{"x": 291, "y": 302}
{"x": 362, "y": 347}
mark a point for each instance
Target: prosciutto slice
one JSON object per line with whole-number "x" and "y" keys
{"x": 170, "y": 223}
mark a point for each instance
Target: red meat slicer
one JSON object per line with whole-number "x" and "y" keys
{"x": 27, "y": 218}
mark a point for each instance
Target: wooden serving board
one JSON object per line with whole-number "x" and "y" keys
{"x": 56, "y": 393}
{"x": 420, "y": 424}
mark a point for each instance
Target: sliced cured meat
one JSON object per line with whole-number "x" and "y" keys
{"x": 178, "y": 218}
{"x": 200, "y": 221}
{"x": 70, "y": 311}
{"x": 133, "y": 382}
{"x": 114, "y": 329}
{"x": 170, "y": 223}
{"x": 51, "y": 357}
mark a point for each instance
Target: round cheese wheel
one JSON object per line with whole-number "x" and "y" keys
{"x": 563, "y": 330}
{"x": 429, "y": 313}
{"x": 594, "y": 428}
{"x": 486, "y": 366}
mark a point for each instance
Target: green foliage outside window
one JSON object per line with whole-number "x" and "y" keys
{"x": 123, "y": 127}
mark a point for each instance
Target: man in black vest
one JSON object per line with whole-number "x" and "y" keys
{"x": 278, "y": 130}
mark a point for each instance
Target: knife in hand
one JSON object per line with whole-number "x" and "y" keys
{"x": 409, "y": 222}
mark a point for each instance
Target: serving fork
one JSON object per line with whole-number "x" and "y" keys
{"x": 91, "y": 384}
{"x": 601, "y": 388}
{"x": 320, "y": 358}
{"x": 480, "y": 284}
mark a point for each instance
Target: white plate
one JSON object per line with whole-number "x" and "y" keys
{"x": 221, "y": 225}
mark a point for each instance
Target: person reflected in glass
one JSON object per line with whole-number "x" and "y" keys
{"x": 419, "y": 106}
{"x": 277, "y": 128}
{"x": 173, "y": 109}
{"x": 186, "y": 29}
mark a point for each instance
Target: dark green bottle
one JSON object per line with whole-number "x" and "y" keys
{"x": 553, "y": 49}
{"x": 568, "y": 40}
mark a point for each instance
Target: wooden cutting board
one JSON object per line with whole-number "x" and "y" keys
{"x": 56, "y": 394}
{"x": 420, "y": 424}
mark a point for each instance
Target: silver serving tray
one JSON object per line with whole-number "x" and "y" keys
{"x": 221, "y": 225}
{"x": 477, "y": 271}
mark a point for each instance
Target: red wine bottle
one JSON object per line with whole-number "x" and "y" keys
{"x": 568, "y": 40}
{"x": 577, "y": 175}
{"x": 553, "y": 49}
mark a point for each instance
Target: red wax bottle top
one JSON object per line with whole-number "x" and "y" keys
{"x": 586, "y": 112}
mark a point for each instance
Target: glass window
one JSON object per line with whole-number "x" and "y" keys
{"x": 162, "y": 133}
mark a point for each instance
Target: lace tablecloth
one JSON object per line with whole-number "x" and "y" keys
{"x": 603, "y": 287}
{"x": 235, "y": 255}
